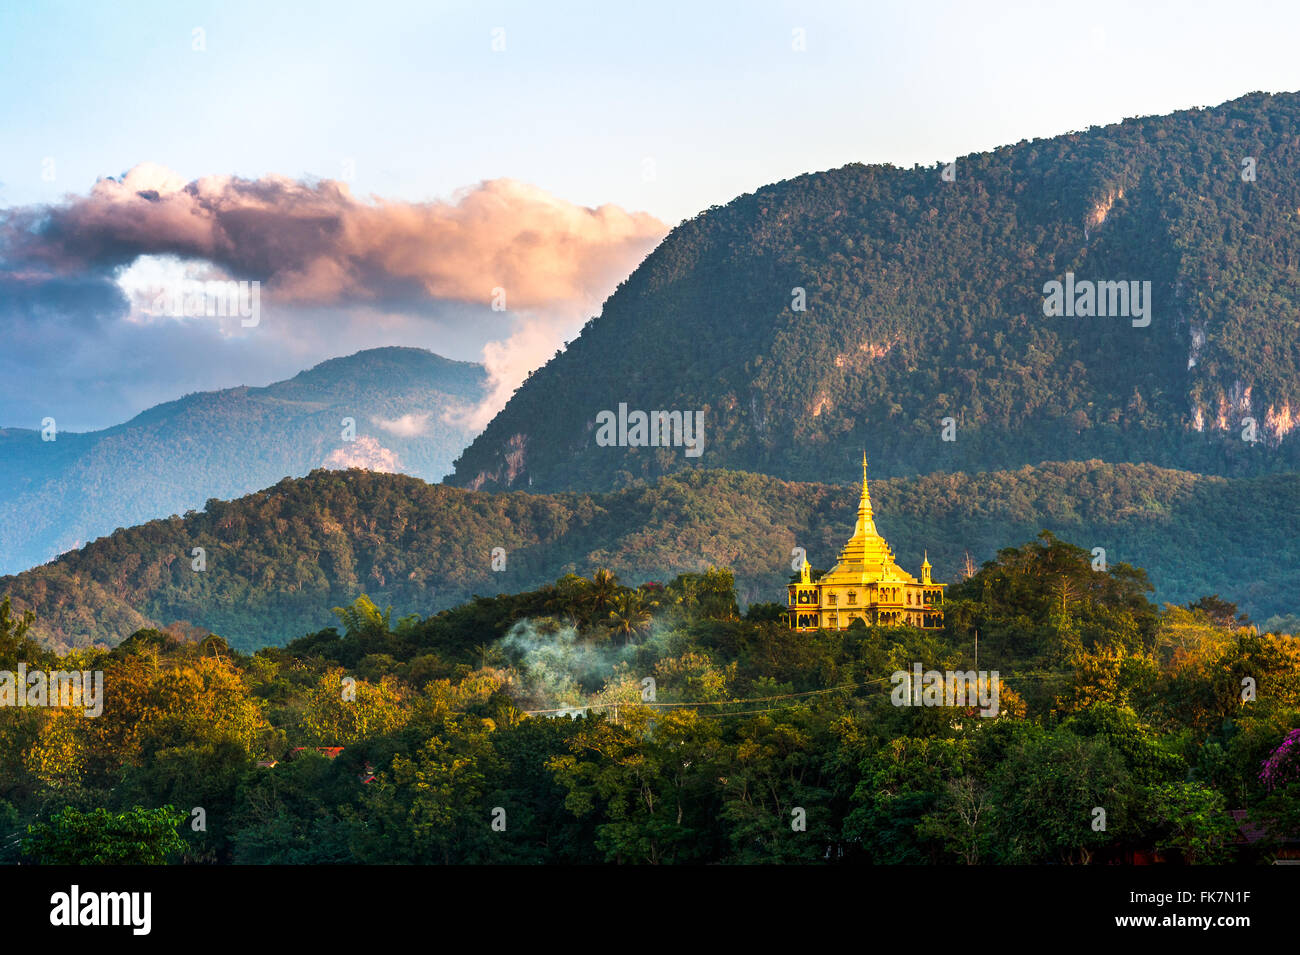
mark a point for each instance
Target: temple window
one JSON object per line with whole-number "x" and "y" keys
{"x": 853, "y": 596}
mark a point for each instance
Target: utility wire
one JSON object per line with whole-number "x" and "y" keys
{"x": 751, "y": 699}
{"x": 1030, "y": 675}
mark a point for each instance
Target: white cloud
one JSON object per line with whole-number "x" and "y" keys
{"x": 407, "y": 426}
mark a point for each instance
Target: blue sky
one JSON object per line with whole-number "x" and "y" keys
{"x": 665, "y": 108}
{"x": 413, "y": 94}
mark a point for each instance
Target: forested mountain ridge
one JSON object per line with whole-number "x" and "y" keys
{"x": 925, "y": 302}
{"x": 275, "y": 562}
{"x": 55, "y": 495}
{"x": 323, "y": 752}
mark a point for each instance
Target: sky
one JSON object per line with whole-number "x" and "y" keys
{"x": 457, "y": 148}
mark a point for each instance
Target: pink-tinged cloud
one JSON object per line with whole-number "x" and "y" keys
{"x": 315, "y": 243}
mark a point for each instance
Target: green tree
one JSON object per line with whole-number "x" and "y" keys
{"x": 652, "y": 786}
{"x": 1048, "y": 790}
{"x": 899, "y": 784}
{"x": 601, "y": 592}
{"x": 99, "y": 837}
{"x": 338, "y": 713}
{"x": 1193, "y": 819}
{"x": 15, "y": 645}
{"x": 362, "y": 618}
{"x": 776, "y": 806}
{"x": 432, "y": 807}
{"x": 961, "y": 819}
{"x": 631, "y": 614}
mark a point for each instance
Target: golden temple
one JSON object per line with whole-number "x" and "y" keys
{"x": 865, "y": 584}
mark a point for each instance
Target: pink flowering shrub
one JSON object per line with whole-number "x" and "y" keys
{"x": 1283, "y": 764}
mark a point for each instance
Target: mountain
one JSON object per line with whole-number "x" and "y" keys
{"x": 925, "y": 305}
{"x": 278, "y": 560}
{"x": 56, "y": 495}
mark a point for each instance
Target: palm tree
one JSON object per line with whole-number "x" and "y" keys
{"x": 631, "y": 614}
{"x": 601, "y": 591}
{"x": 363, "y": 618}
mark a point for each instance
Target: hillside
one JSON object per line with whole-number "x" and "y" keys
{"x": 278, "y": 560}
{"x": 392, "y": 740}
{"x": 925, "y": 301}
{"x": 55, "y": 495}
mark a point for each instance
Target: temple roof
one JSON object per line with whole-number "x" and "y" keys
{"x": 866, "y": 557}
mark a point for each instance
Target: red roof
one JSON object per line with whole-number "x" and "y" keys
{"x": 330, "y": 751}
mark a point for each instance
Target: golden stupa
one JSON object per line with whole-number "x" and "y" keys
{"x": 865, "y": 584}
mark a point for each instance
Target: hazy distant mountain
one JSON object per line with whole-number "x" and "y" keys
{"x": 925, "y": 301}
{"x": 278, "y": 560}
{"x": 56, "y": 495}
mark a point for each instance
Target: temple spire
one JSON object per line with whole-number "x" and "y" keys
{"x": 866, "y": 585}
{"x": 866, "y": 526}
{"x": 865, "y": 523}
{"x": 866, "y": 546}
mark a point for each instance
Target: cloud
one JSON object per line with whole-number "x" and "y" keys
{"x": 407, "y": 426}
{"x": 364, "y": 452}
{"x": 508, "y": 362}
{"x": 314, "y": 243}
{"x": 338, "y": 274}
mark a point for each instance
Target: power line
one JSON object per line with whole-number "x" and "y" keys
{"x": 1030, "y": 675}
{"x": 750, "y": 699}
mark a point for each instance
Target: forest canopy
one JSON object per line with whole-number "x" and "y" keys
{"x": 592, "y": 721}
